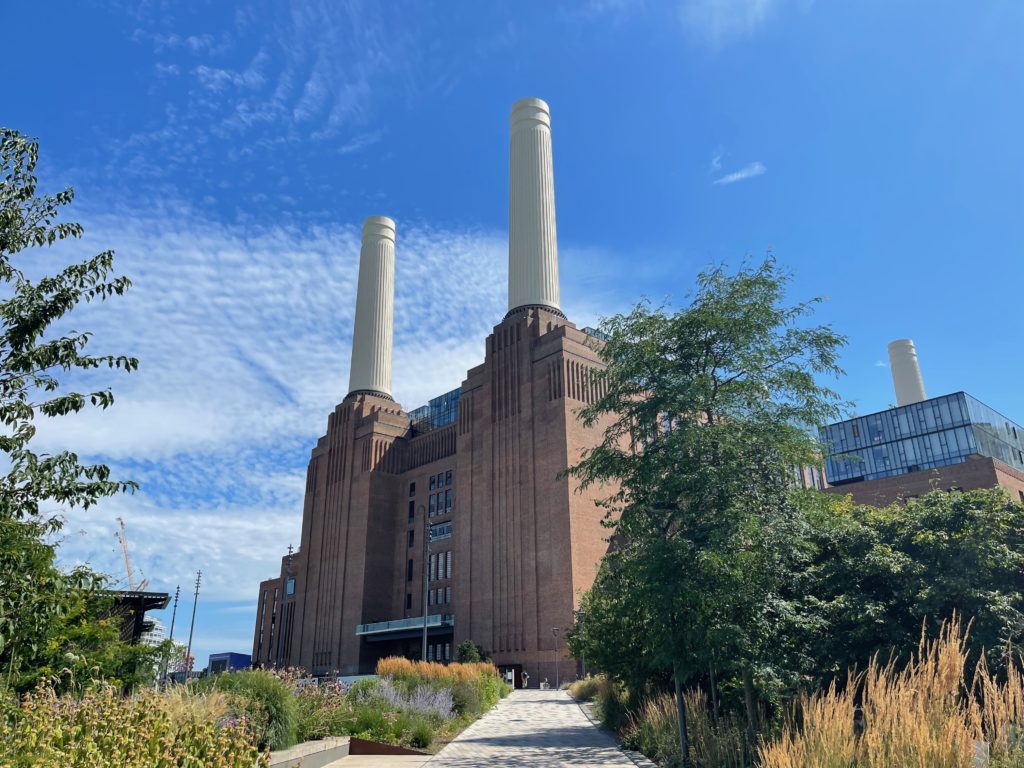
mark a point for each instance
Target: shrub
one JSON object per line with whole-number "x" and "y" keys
{"x": 611, "y": 704}
{"x": 467, "y": 652}
{"x": 467, "y": 699}
{"x": 266, "y": 702}
{"x": 654, "y": 730}
{"x": 104, "y": 728}
{"x": 323, "y": 710}
{"x": 422, "y": 735}
{"x": 585, "y": 689}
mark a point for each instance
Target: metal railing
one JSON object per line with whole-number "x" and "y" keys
{"x": 436, "y": 620}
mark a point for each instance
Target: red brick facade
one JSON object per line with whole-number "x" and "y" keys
{"x": 525, "y": 543}
{"x": 975, "y": 472}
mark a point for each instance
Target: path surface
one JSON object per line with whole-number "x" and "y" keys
{"x": 532, "y": 729}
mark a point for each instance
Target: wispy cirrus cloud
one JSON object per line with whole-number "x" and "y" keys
{"x": 756, "y": 168}
{"x": 244, "y": 337}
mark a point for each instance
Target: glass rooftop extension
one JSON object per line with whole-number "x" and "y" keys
{"x": 439, "y": 411}
{"x": 933, "y": 433}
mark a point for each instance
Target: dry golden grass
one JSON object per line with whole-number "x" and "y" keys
{"x": 182, "y": 705}
{"x": 405, "y": 669}
{"x": 922, "y": 716}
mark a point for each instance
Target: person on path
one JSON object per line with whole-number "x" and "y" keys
{"x": 526, "y": 679}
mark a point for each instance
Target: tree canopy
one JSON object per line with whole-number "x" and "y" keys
{"x": 43, "y": 609}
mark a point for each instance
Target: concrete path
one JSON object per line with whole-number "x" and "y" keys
{"x": 533, "y": 729}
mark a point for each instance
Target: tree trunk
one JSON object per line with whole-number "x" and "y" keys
{"x": 714, "y": 693}
{"x": 684, "y": 737}
{"x": 751, "y": 704}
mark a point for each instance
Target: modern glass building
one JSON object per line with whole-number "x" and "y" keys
{"x": 440, "y": 410}
{"x": 938, "y": 432}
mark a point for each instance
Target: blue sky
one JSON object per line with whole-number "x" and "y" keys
{"x": 229, "y": 153}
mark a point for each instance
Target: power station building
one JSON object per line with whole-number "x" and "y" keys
{"x": 476, "y": 473}
{"x": 950, "y": 442}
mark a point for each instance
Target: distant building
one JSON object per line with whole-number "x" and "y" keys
{"x": 228, "y": 662}
{"x": 952, "y": 441}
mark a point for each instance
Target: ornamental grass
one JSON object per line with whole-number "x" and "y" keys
{"x": 926, "y": 715}
{"x": 399, "y": 668}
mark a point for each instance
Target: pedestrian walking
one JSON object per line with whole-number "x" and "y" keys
{"x": 526, "y": 679}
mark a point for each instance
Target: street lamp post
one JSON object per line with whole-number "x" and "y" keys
{"x": 554, "y": 634}
{"x": 426, "y": 584}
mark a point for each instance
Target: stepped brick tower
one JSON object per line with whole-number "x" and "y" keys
{"x": 475, "y": 475}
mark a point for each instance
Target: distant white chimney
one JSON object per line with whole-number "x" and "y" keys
{"x": 375, "y": 309}
{"x": 906, "y": 373}
{"x": 532, "y": 240}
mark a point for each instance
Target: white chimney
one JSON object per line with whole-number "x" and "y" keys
{"x": 532, "y": 241}
{"x": 906, "y": 373}
{"x": 375, "y": 309}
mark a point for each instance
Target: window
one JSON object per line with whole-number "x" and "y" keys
{"x": 448, "y": 566}
{"x": 408, "y": 571}
{"x": 448, "y": 477}
{"x": 440, "y": 596}
{"x": 289, "y": 586}
{"x": 447, "y": 595}
{"x": 440, "y": 503}
{"x": 412, "y": 537}
{"x": 447, "y": 651}
{"x": 412, "y": 511}
{"x": 430, "y": 652}
{"x": 448, "y": 501}
{"x": 412, "y": 489}
{"x": 432, "y": 561}
{"x": 408, "y": 601}
{"x": 430, "y": 597}
{"x": 440, "y": 479}
{"x": 433, "y": 482}
{"x": 430, "y": 505}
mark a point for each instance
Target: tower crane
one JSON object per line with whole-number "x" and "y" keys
{"x": 122, "y": 538}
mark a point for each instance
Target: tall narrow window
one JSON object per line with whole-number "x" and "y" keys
{"x": 448, "y": 501}
{"x": 408, "y": 571}
{"x": 430, "y": 597}
{"x": 447, "y": 595}
{"x": 430, "y": 505}
{"x": 440, "y": 479}
{"x": 430, "y": 652}
{"x": 440, "y": 503}
{"x": 412, "y": 537}
{"x": 433, "y": 558}
{"x": 408, "y": 601}
{"x": 412, "y": 511}
{"x": 448, "y": 477}
{"x": 433, "y": 482}
{"x": 448, "y": 566}
{"x": 412, "y": 489}
{"x": 447, "y": 651}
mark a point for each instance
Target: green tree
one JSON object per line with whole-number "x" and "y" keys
{"x": 33, "y": 351}
{"x": 707, "y": 411}
{"x": 467, "y": 652}
{"x": 876, "y": 576}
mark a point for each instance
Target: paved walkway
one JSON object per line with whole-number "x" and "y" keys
{"x": 532, "y": 729}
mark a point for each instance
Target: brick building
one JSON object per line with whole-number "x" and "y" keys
{"x": 477, "y": 472}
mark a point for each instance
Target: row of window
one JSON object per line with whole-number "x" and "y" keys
{"x": 440, "y": 480}
{"x": 440, "y": 504}
{"x": 441, "y": 566}
{"x": 439, "y": 596}
{"x": 434, "y": 652}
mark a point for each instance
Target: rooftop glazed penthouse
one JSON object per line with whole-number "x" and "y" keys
{"x": 454, "y": 511}
{"x": 952, "y": 441}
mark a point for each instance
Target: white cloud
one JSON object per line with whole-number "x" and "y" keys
{"x": 747, "y": 172}
{"x": 881, "y": 364}
{"x": 244, "y": 339}
{"x": 718, "y": 22}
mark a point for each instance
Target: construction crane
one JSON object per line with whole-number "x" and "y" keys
{"x": 122, "y": 538}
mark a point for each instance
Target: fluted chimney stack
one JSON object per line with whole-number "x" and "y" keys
{"x": 532, "y": 241}
{"x": 375, "y": 309}
{"x": 906, "y": 373}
